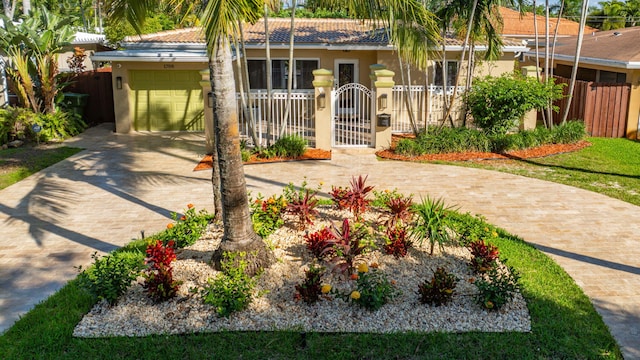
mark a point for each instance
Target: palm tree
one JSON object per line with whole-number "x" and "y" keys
{"x": 220, "y": 23}
{"x": 576, "y": 61}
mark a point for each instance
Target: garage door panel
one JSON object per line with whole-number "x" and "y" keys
{"x": 167, "y": 100}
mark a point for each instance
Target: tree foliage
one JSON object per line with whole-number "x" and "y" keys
{"x": 498, "y": 103}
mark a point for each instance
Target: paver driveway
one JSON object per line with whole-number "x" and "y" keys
{"x": 104, "y": 196}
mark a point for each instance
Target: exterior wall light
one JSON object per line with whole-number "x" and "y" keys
{"x": 210, "y": 100}
{"x": 322, "y": 101}
{"x": 383, "y": 101}
{"x": 119, "y": 82}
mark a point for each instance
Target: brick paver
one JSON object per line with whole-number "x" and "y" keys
{"x": 104, "y": 196}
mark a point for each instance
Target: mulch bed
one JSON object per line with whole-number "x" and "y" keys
{"x": 537, "y": 152}
{"x": 309, "y": 154}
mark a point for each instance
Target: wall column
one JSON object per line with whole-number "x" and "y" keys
{"x": 323, "y": 84}
{"x": 382, "y": 84}
{"x": 208, "y": 111}
{"x": 530, "y": 119}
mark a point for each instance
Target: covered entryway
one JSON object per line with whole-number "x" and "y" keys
{"x": 351, "y": 121}
{"x": 169, "y": 100}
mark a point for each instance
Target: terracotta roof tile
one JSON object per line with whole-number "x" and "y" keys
{"x": 515, "y": 25}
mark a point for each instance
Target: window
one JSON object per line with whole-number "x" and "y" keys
{"x": 303, "y": 74}
{"x": 452, "y": 72}
{"x": 612, "y": 77}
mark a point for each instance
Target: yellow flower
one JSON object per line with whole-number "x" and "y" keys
{"x": 355, "y": 295}
{"x": 448, "y": 291}
{"x": 363, "y": 268}
{"x": 488, "y": 304}
{"x": 486, "y": 229}
{"x": 170, "y": 226}
{"x": 326, "y": 288}
{"x": 321, "y": 183}
{"x": 494, "y": 234}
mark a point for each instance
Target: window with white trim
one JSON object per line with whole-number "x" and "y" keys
{"x": 302, "y": 75}
{"x": 452, "y": 72}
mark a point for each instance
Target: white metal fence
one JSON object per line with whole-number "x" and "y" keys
{"x": 301, "y": 119}
{"x": 426, "y": 104}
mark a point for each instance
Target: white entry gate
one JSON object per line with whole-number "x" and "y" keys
{"x": 351, "y": 123}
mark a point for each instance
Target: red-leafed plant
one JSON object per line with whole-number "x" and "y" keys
{"x": 158, "y": 275}
{"x": 397, "y": 242}
{"x": 396, "y": 210}
{"x": 303, "y": 207}
{"x": 345, "y": 246}
{"x": 355, "y": 198}
{"x": 484, "y": 256}
{"x": 317, "y": 243}
{"x": 310, "y": 289}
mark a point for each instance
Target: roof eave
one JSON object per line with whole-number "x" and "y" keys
{"x": 147, "y": 56}
{"x": 631, "y": 65}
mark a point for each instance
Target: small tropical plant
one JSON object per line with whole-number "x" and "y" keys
{"x": 158, "y": 275}
{"x": 317, "y": 243}
{"x": 397, "y": 241}
{"x": 373, "y": 288}
{"x": 303, "y": 207}
{"x": 290, "y": 146}
{"x": 311, "y": 289}
{"x": 498, "y": 288}
{"x": 397, "y": 210}
{"x": 484, "y": 257}
{"x": 470, "y": 228}
{"x": 266, "y": 215}
{"x": 345, "y": 246}
{"x": 381, "y": 198}
{"x": 431, "y": 222}
{"x": 231, "y": 290}
{"x": 439, "y": 290}
{"x": 355, "y": 198}
{"x": 110, "y": 276}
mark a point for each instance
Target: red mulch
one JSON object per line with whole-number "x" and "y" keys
{"x": 309, "y": 154}
{"x": 540, "y": 151}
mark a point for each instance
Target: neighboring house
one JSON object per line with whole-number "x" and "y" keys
{"x": 91, "y": 43}
{"x": 523, "y": 26}
{"x": 610, "y": 66}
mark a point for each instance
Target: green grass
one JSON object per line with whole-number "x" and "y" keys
{"x": 610, "y": 167}
{"x": 564, "y": 325}
{"x": 17, "y": 164}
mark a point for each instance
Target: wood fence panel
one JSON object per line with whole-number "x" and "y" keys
{"x": 97, "y": 84}
{"x": 602, "y": 106}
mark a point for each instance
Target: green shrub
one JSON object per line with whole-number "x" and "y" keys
{"x": 498, "y": 103}
{"x": 110, "y": 275}
{"x": 231, "y": 290}
{"x": 497, "y": 288}
{"x": 439, "y": 290}
{"x": 373, "y": 289}
{"x": 568, "y": 133}
{"x": 187, "y": 229}
{"x": 266, "y": 215}
{"x": 59, "y": 125}
{"x": 469, "y": 228}
{"x": 289, "y": 146}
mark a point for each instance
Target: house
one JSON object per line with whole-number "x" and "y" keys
{"x": 90, "y": 43}
{"x": 609, "y": 67}
{"x": 523, "y": 26}
{"x": 157, "y": 78}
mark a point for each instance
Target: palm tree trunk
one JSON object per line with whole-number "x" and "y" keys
{"x": 407, "y": 100}
{"x": 553, "y": 53}
{"x": 238, "y": 228}
{"x": 292, "y": 66}
{"x": 576, "y": 62}
{"x": 267, "y": 44}
{"x": 242, "y": 74}
{"x": 547, "y": 64}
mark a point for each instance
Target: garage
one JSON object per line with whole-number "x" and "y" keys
{"x": 166, "y": 100}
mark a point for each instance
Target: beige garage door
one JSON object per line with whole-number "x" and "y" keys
{"x": 166, "y": 100}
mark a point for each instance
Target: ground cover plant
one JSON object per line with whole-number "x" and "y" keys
{"x": 564, "y": 323}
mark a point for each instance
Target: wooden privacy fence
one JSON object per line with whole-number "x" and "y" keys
{"x": 97, "y": 84}
{"x": 604, "y": 107}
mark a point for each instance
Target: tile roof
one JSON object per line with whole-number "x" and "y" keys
{"x": 620, "y": 45}
{"x": 515, "y": 25}
{"x": 345, "y": 32}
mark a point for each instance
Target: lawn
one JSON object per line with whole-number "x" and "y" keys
{"x": 17, "y": 164}
{"x": 610, "y": 167}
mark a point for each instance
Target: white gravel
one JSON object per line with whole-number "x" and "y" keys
{"x": 136, "y": 315}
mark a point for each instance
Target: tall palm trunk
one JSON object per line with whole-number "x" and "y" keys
{"x": 267, "y": 44}
{"x": 238, "y": 228}
{"x": 553, "y": 53}
{"x": 576, "y": 62}
{"x": 292, "y": 66}
{"x": 464, "y": 49}
{"x": 547, "y": 64}
{"x": 408, "y": 100}
{"x": 245, "y": 97}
